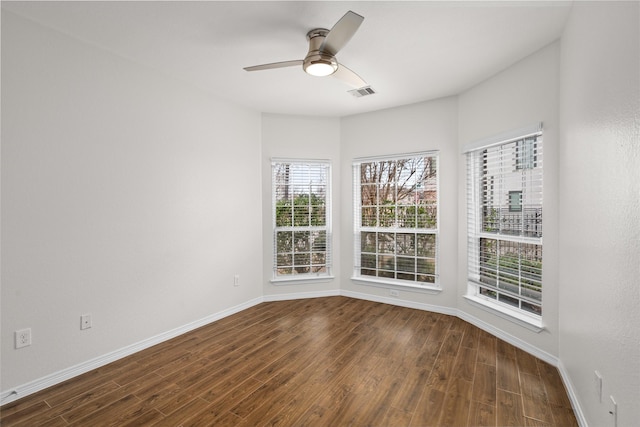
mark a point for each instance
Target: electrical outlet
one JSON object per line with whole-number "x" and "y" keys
{"x": 23, "y": 338}
{"x": 597, "y": 382}
{"x": 613, "y": 411}
{"x": 85, "y": 321}
{"x": 394, "y": 293}
{"x": 236, "y": 280}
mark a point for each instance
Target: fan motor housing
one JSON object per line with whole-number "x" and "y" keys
{"x": 318, "y": 62}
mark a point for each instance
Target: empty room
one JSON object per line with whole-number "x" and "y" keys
{"x": 296, "y": 213}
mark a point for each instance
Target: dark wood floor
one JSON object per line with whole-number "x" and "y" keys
{"x": 318, "y": 362}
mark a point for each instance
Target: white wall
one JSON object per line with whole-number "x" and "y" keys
{"x": 119, "y": 199}
{"x": 600, "y": 207}
{"x": 299, "y": 137}
{"x": 425, "y": 126}
{"x": 113, "y": 176}
{"x": 523, "y": 94}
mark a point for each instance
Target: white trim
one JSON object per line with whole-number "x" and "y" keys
{"x": 300, "y": 280}
{"x": 533, "y": 323}
{"x": 395, "y": 284}
{"x": 302, "y": 295}
{"x": 517, "y": 342}
{"x": 573, "y": 397}
{"x": 298, "y": 160}
{"x": 429, "y": 153}
{"x": 400, "y": 302}
{"x": 504, "y": 137}
{"x": 81, "y": 368}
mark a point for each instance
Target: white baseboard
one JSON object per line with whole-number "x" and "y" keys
{"x": 73, "y": 371}
{"x": 573, "y": 397}
{"x": 400, "y": 302}
{"x": 552, "y": 360}
{"x": 301, "y": 295}
{"x": 65, "y": 374}
{"x": 517, "y": 342}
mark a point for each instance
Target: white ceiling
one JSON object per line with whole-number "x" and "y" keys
{"x": 407, "y": 51}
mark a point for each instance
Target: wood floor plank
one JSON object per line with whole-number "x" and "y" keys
{"x": 563, "y": 416}
{"x": 505, "y": 349}
{"x": 554, "y": 388}
{"x": 72, "y": 403}
{"x": 124, "y": 395}
{"x": 52, "y": 422}
{"x": 482, "y": 415}
{"x": 470, "y": 336}
{"x": 414, "y": 382}
{"x": 107, "y": 415}
{"x": 509, "y": 409}
{"x": 455, "y": 411}
{"x": 507, "y": 374}
{"x": 526, "y": 363}
{"x": 183, "y": 414}
{"x": 487, "y": 348}
{"x": 148, "y": 418}
{"x": 535, "y": 402}
{"x": 27, "y": 414}
{"x": 396, "y": 417}
{"x": 465, "y": 363}
{"x": 430, "y": 408}
{"x": 316, "y": 362}
{"x": 484, "y": 384}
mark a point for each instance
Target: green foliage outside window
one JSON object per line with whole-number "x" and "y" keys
{"x": 303, "y": 210}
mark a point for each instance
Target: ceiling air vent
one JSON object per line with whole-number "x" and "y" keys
{"x": 363, "y": 91}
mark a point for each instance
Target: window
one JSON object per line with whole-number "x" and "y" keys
{"x": 515, "y": 201}
{"x": 504, "y": 204}
{"x": 396, "y": 220}
{"x": 301, "y": 219}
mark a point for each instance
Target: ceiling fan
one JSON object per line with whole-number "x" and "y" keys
{"x": 324, "y": 45}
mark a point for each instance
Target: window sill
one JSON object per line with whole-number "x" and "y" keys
{"x": 300, "y": 280}
{"x": 396, "y": 284}
{"x": 533, "y": 323}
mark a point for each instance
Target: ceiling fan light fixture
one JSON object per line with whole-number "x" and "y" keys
{"x": 320, "y": 65}
{"x": 320, "y": 69}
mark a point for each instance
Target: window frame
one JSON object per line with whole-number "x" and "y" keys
{"x": 476, "y": 234}
{"x": 307, "y": 277}
{"x": 359, "y": 229}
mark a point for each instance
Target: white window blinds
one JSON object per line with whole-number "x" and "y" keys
{"x": 504, "y": 204}
{"x": 301, "y": 218}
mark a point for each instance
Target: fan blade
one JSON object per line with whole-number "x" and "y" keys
{"x": 349, "y": 77}
{"x": 341, "y": 33}
{"x": 283, "y": 64}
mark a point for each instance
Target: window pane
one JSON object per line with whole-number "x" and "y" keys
{"x": 398, "y": 199}
{"x": 369, "y": 216}
{"x": 508, "y": 180}
{"x": 387, "y": 216}
{"x": 285, "y": 260}
{"x": 426, "y": 266}
{"x": 406, "y": 264}
{"x": 426, "y": 245}
{"x": 386, "y": 243}
{"x": 284, "y": 241}
{"x": 368, "y": 242}
{"x": 368, "y": 261}
{"x": 300, "y": 214}
{"x": 405, "y": 244}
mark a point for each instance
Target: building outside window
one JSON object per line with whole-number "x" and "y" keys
{"x": 504, "y": 204}
{"x": 396, "y": 219}
{"x": 301, "y": 219}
